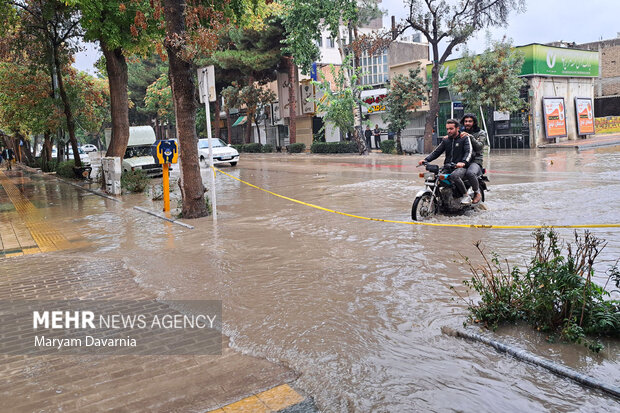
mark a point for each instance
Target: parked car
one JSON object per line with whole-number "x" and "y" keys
{"x": 83, "y": 155}
{"x": 89, "y": 147}
{"x": 222, "y": 153}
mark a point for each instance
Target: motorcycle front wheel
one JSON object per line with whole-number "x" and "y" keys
{"x": 423, "y": 208}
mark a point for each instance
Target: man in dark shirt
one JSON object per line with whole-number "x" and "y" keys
{"x": 8, "y": 156}
{"x": 377, "y": 134}
{"x": 458, "y": 150}
{"x": 368, "y": 135}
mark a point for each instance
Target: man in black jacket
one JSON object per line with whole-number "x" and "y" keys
{"x": 368, "y": 135}
{"x": 478, "y": 140}
{"x": 458, "y": 150}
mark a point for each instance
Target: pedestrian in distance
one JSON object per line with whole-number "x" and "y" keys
{"x": 377, "y": 134}
{"x": 9, "y": 157}
{"x": 368, "y": 135}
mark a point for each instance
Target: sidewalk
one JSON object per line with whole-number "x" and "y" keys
{"x": 38, "y": 261}
{"x": 596, "y": 141}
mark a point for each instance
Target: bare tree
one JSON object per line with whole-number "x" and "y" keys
{"x": 452, "y": 22}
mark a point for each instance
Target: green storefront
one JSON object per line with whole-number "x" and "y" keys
{"x": 550, "y": 72}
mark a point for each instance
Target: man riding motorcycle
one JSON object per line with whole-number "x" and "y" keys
{"x": 458, "y": 150}
{"x": 478, "y": 140}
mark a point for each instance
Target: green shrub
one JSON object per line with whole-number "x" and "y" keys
{"x": 267, "y": 148}
{"x": 134, "y": 181}
{"x": 65, "y": 169}
{"x": 295, "y": 147}
{"x": 333, "y": 147}
{"x": 252, "y": 147}
{"x": 34, "y": 163}
{"x": 388, "y": 146}
{"x": 554, "y": 294}
{"x": 239, "y": 148}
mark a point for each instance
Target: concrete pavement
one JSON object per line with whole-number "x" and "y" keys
{"x": 592, "y": 141}
{"x": 42, "y": 261}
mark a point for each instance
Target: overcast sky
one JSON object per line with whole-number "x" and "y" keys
{"x": 544, "y": 21}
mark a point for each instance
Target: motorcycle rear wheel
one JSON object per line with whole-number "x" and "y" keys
{"x": 422, "y": 208}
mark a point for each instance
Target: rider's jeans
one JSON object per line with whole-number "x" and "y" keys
{"x": 471, "y": 176}
{"x": 457, "y": 178}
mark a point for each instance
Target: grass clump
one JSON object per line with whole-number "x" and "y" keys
{"x": 554, "y": 293}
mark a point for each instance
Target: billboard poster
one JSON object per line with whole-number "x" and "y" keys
{"x": 585, "y": 116}
{"x": 555, "y": 117}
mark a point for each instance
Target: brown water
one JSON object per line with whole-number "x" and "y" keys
{"x": 356, "y": 307}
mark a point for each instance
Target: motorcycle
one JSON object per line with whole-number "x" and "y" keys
{"x": 440, "y": 194}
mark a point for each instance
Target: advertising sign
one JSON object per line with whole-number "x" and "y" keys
{"x": 555, "y": 117}
{"x": 585, "y": 116}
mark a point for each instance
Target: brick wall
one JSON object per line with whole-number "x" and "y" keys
{"x": 609, "y": 83}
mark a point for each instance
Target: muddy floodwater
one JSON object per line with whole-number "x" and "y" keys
{"x": 356, "y": 307}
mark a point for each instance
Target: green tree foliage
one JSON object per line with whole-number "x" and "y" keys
{"x": 158, "y": 99}
{"x": 255, "y": 99}
{"x": 305, "y": 19}
{"x": 491, "y": 79}
{"x": 26, "y": 102}
{"x": 404, "y": 93}
{"x": 341, "y": 100}
{"x": 452, "y": 23}
{"x": 122, "y": 28}
{"x": 142, "y": 73}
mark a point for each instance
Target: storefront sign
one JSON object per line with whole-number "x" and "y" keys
{"x": 375, "y": 103}
{"x": 585, "y": 116}
{"x": 555, "y": 117}
{"x": 539, "y": 60}
{"x": 558, "y": 61}
{"x": 376, "y": 108}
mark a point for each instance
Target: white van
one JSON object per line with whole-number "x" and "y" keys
{"x": 138, "y": 153}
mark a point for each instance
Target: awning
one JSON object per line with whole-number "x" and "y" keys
{"x": 240, "y": 120}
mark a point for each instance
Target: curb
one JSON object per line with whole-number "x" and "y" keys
{"x": 526, "y": 356}
{"x": 111, "y": 198}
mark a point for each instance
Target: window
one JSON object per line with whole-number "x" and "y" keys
{"x": 375, "y": 70}
{"x": 329, "y": 43}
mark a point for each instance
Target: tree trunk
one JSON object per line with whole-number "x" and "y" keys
{"x": 248, "y": 126}
{"x": 399, "y": 147}
{"x": 216, "y": 118}
{"x": 47, "y": 144}
{"x": 35, "y": 143}
{"x": 116, "y": 66}
{"x": 292, "y": 102}
{"x": 228, "y": 126}
{"x": 433, "y": 109}
{"x": 182, "y": 84}
{"x": 68, "y": 112}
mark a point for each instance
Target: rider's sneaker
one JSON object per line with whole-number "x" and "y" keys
{"x": 466, "y": 200}
{"x": 477, "y": 198}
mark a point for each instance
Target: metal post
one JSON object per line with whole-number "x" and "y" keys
{"x": 166, "y": 185}
{"x": 211, "y": 170}
{"x": 484, "y": 122}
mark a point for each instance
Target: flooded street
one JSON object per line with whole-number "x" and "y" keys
{"x": 356, "y": 307}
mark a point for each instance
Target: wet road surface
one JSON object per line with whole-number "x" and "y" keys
{"x": 356, "y": 307}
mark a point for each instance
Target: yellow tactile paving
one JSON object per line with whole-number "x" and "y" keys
{"x": 249, "y": 404}
{"x": 271, "y": 400}
{"x": 42, "y": 236}
{"x": 280, "y": 397}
